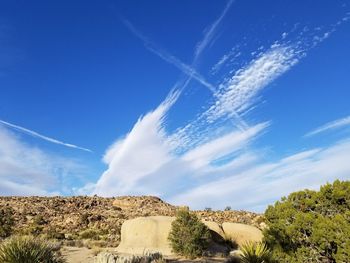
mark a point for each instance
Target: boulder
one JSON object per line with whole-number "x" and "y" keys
{"x": 146, "y": 234}
{"x": 241, "y": 233}
{"x": 122, "y": 204}
{"x": 214, "y": 227}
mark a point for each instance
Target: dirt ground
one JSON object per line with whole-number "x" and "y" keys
{"x": 78, "y": 254}
{"x": 85, "y": 255}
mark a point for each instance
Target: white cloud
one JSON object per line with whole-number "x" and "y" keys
{"x": 240, "y": 92}
{"x": 144, "y": 160}
{"x": 40, "y": 136}
{"x": 141, "y": 152}
{"x": 227, "y": 144}
{"x": 234, "y": 53}
{"x": 264, "y": 183}
{"x": 333, "y": 125}
{"x": 27, "y": 170}
{"x": 211, "y": 160}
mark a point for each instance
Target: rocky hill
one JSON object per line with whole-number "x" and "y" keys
{"x": 98, "y": 218}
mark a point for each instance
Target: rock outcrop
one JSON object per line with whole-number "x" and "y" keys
{"x": 241, "y": 233}
{"x": 150, "y": 234}
{"x": 146, "y": 234}
{"x": 68, "y": 217}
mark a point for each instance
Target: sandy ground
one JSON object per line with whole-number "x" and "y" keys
{"x": 78, "y": 254}
{"x": 85, "y": 255}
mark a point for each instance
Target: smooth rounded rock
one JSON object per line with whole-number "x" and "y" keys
{"x": 215, "y": 227}
{"x": 241, "y": 233}
{"x": 146, "y": 234}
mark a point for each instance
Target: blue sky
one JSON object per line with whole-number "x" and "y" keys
{"x": 203, "y": 103}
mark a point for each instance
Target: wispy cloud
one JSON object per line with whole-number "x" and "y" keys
{"x": 43, "y": 137}
{"x": 27, "y": 170}
{"x": 240, "y": 91}
{"x": 148, "y": 139}
{"x": 212, "y": 158}
{"x": 262, "y": 183}
{"x": 234, "y": 53}
{"x": 333, "y": 125}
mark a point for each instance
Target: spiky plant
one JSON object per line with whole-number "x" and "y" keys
{"x": 253, "y": 252}
{"x": 26, "y": 249}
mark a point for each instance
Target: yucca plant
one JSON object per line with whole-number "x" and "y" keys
{"x": 27, "y": 249}
{"x": 253, "y": 252}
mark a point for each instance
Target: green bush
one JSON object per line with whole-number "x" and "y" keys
{"x": 188, "y": 237}
{"x": 311, "y": 226}
{"x": 90, "y": 234}
{"x": 6, "y": 222}
{"x": 253, "y": 252}
{"x": 53, "y": 233}
{"x": 29, "y": 250}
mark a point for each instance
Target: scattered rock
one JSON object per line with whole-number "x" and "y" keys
{"x": 72, "y": 215}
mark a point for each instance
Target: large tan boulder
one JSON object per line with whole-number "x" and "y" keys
{"x": 214, "y": 227}
{"x": 146, "y": 234}
{"x": 241, "y": 233}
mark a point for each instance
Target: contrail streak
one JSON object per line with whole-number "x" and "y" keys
{"x": 208, "y": 37}
{"x": 186, "y": 69}
{"x": 43, "y": 137}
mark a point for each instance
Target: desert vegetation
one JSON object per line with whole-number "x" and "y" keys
{"x": 189, "y": 237}
{"x": 306, "y": 226}
{"x": 27, "y": 249}
{"x": 255, "y": 253}
{"x": 311, "y": 226}
{"x": 6, "y": 222}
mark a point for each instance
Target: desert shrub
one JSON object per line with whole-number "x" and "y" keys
{"x": 188, "y": 237}
{"x": 29, "y": 250}
{"x": 311, "y": 226}
{"x": 90, "y": 234}
{"x": 53, "y": 233}
{"x": 253, "y": 252}
{"x": 39, "y": 220}
{"x": 33, "y": 229}
{"x": 74, "y": 243}
{"x": 84, "y": 219}
{"x": 230, "y": 242}
{"x": 6, "y": 222}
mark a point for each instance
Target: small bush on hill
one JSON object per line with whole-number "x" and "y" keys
{"x": 228, "y": 208}
{"x": 188, "y": 237}
{"x": 311, "y": 226}
{"x": 39, "y": 220}
{"x": 53, "y": 233}
{"x": 90, "y": 234}
{"x": 6, "y": 222}
{"x": 29, "y": 250}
